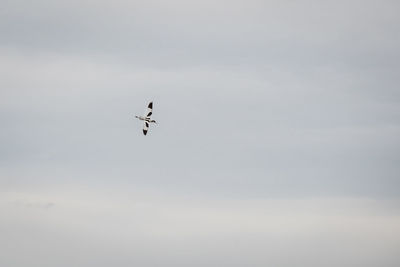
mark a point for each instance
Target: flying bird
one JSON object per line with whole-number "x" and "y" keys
{"x": 146, "y": 118}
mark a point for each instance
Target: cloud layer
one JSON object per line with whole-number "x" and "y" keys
{"x": 101, "y": 227}
{"x": 277, "y": 144}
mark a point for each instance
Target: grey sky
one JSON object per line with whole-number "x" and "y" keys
{"x": 278, "y": 133}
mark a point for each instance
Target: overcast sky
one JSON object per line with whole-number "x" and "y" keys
{"x": 278, "y": 141}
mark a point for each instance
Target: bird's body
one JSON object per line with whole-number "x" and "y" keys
{"x": 147, "y": 120}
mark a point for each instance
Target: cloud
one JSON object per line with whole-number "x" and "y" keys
{"x": 238, "y": 33}
{"x": 198, "y": 232}
{"x": 278, "y": 118}
{"x": 282, "y": 132}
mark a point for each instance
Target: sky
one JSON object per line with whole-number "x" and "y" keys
{"x": 277, "y": 141}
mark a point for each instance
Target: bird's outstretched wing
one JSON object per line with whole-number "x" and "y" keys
{"x": 145, "y": 127}
{"x": 149, "y": 110}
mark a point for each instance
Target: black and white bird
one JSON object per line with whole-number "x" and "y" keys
{"x": 146, "y": 118}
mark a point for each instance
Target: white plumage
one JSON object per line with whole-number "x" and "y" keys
{"x": 146, "y": 118}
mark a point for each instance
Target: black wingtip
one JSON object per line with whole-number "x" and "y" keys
{"x": 150, "y": 105}
{"x": 144, "y": 132}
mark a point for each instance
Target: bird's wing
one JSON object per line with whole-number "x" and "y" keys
{"x": 149, "y": 110}
{"x": 145, "y": 127}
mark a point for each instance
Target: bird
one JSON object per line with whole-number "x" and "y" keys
{"x": 146, "y": 118}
